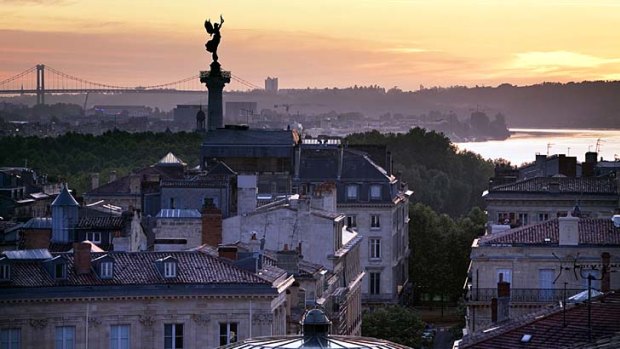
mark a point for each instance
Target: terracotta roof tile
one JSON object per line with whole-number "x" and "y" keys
{"x": 136, "y": 268}
{"x": 592, "y": 231}
{"x": 547, "y": 331}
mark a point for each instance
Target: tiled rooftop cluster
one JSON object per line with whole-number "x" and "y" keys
{"x": 589, "y": 185}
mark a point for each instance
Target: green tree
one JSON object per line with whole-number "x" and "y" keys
{"x": 394, "y": 323}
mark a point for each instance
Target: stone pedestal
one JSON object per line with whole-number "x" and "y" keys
{"x": 215, "y": 79}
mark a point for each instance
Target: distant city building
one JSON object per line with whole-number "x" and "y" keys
{"x": 271, "y": 84}
{"x": 184, "y": 116}
{"x": 240, "y": 112}
{"x": 122, "y": 110}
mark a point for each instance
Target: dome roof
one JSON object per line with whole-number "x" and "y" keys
{"x": 315, "y": 328}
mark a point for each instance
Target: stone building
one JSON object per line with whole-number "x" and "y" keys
{"x": 308, "y": 228}
{"x": 135, "y": 300}
{"x": 539, "y": 199}
{"x": 375, "y": 203}
{"x": 541, "y": 262}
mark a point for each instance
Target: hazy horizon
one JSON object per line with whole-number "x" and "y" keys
{"x": 404, "y": 43}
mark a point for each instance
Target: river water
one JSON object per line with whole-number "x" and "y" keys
{"x": 524, "y": 144}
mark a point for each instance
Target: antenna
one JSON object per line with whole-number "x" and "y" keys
{"x": 549, "y": 147}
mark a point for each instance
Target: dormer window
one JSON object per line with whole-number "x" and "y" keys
{"x": 375, "y": 192}
{"x": 94, "y": 237}
{"x": 167, "y": 267}
{"x": 5, "y": 271}
{"x": 60, "y": 271}
{"x": 352, "y": 192}
{"x": 104, "y": 266}
{"x": 107, "y": 269}
{"x": 170, "y": 269}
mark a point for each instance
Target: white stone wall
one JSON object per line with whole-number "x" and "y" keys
{"x": 178, "y": 228}
{"x": 200, "y": 317}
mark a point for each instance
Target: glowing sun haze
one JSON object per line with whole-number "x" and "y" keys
{"x": 318, "y": 43}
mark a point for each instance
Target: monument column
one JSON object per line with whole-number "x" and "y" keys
{"x": 215, "y": 79}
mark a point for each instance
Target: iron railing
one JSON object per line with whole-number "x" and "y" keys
{"x": 526, "y": 295}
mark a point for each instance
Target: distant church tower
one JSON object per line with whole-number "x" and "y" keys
{"x": 64, "y": 216}
{"x": 200, "y": 120}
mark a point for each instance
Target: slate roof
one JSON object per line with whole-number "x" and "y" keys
{"x": 249, "y": 137}
{"x": 321, "y": 164}
{"x": 581, "y": 185}
{"x": 592, "y": 231}
{"x": 38, "y": 223}
{"x": 547, "y": 331}
{"x": 64, "y": 198}
{"x": 135, "y": 268}
{"x": 111, "y": 223}
{"x": 221, "y": 169}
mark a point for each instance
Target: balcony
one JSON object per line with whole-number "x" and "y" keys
{"x": 521, "y": 295}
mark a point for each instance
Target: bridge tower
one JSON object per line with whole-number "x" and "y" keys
{"x": 40, "y": 83}
{"x": 215, "y": 79}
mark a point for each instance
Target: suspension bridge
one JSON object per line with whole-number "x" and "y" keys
{"x": 40, "y": 80}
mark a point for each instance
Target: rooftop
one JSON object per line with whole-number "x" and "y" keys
{"x": 581, "y": 185}
{"x": 592, "y": 231}
{"x": 548, "y": 331}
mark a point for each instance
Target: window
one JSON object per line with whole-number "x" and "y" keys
{"x": 543, "y": 217}
{"x": 173, "y": 336}
{"x": 94, "y": 237}
{"x": 119, "y": 337}
{"x": 374, "y": 221}
{"x": 10, "y": 338}
{"x": 351, "y": 221}
{"x": 375, "y": 192}
{"x": 375, "y": 282}
{"x": 506, "y": 273}
{"x": 65, "y": 337}
{"x": 352, "y": 192}
{"x": 107, "y": 270}
{"x": 5, "y": 272}
{"x": 523, "y": 219}
{"x": 171, "y": 203}
{"x": 170, "y": 269}
{"x": 60, "y": 271}
{"x": 375, "y": 248}
{"x": 228, "y": 332}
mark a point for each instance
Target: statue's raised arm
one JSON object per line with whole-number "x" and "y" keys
{"x": 214, "y": 31}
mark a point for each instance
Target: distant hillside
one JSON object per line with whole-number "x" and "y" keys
{"x": 572, "y": 105}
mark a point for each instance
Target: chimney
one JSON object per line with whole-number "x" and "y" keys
{"x": 288, "y": 260}
{"x": 605, "y": 282}
{"x": 135, "y": 184}
{"x": 94, "y": 180}
{"x": 211, "y": 224}
{"x": 112, "y": 177}
{"x": 254, "y": 244}
{"x": 246, "y": 194}
{"x": 81, "y": 257}
{"x": 324, "y": 197}
{"x": 569, "y": 230}
{"x": 229, "y": 252}
{"x": 500, "y": 306}
{"x": 36, "y": 239}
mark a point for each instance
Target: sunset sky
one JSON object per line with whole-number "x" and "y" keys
{"x": 318, "y": 43}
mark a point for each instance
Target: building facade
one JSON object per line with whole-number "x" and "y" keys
{"x": 134, "y": 300}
